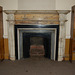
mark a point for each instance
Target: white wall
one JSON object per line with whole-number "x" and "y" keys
{"x": 7, "y": 5}
{"x": 10, "y": 4}
{"x": 64, "y": 4}
{"x": 1, "y": 2}
{"x": 36, "y": 4}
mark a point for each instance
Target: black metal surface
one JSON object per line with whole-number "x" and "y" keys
{"x": 26, "y": 46}
{"x": 47, "y": 46}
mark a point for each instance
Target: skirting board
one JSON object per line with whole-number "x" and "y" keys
{"x": 67, "y": 47}
{"x": 6, "y": 49}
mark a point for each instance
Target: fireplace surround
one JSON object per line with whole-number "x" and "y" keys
{"x": 36, "y": 30}
{"x": 56, "y": 18}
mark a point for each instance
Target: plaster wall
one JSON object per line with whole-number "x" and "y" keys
{"x": 36, "y": 4}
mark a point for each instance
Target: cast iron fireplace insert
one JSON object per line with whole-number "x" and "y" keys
{"x": 46, "y": 43}
{"x": 37, "y": 26}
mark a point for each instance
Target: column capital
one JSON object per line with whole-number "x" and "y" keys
{"x": 10, "y": 17}
{"x": 62, "y": 18}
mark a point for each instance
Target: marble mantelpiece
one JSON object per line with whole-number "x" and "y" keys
{"x": 62, "y": 19}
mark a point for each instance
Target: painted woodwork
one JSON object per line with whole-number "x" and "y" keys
{"x": 1, "y": 35}
{"x": 72, "y": 41}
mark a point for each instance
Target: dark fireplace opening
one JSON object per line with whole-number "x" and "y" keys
{"x": 37, "y": 44}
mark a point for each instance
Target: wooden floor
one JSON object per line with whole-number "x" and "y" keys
{"x": 36, "y": 66}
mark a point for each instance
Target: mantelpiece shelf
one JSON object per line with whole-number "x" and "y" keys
{"x": 37, "y": 11}
{"x": 38, "y": 20}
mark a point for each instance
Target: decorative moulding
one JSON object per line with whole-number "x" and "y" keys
{"x": 68, "y": 37}
{"x": 36, "y": 11}
{"x": 5, "y": 36}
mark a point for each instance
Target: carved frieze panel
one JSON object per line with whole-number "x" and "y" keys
{"x": 36, "y": 18}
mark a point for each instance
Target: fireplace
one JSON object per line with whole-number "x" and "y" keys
{"x": 49, "y": 24}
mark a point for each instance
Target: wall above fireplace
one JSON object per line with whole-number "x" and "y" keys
{"x": 37, "y": 17}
